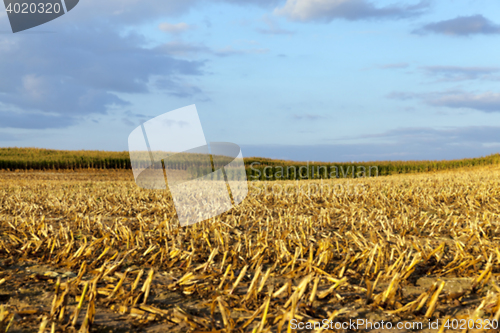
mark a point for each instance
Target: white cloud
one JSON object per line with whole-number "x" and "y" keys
{"x": 60, "y": 81}
{"x": 462, "y": 26}
{"x": 328, "y": 10}
{"x": 174, "y": 28}
{"x": 486, "y": 102}
{"x": 229, "y": 51}
{"x": 308, "y": 116}
{"x": 394, "y": 65}
{"x": 458, "y": 73}
{"x": 273, "y": 28}
{"x": 182, "y": 49}
{"x": 457, "y": 99}
{"x": 35, "y": 87}
{"x": 124, "y": 12}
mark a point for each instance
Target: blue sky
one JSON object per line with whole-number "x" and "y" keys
{"x": 326, "y": 80}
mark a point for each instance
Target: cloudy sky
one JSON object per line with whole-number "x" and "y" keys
{"x": 328, "y": 80}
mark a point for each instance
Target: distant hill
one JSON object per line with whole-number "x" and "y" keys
{"x": 256, "y": 167}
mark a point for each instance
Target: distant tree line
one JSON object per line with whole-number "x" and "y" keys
{"x": 256, "y": 168}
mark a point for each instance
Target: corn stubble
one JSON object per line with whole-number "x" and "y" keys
{"x": 393, "y": 251}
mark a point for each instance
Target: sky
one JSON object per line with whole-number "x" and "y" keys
{"x": 315, "y": 80}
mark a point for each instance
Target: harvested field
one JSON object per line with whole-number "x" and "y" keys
{"x": 90, "y": 251}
